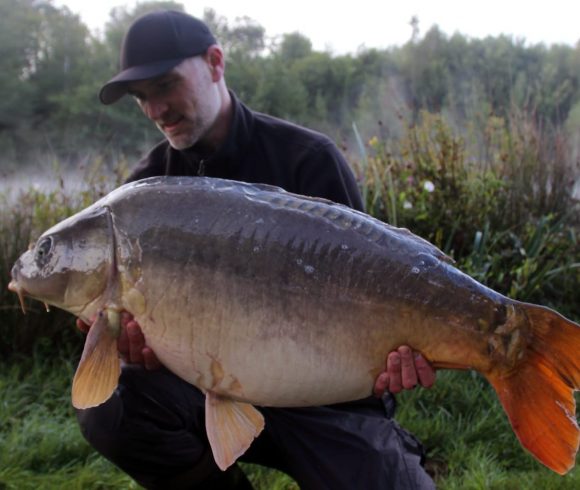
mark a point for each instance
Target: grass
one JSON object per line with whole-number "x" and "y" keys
{"x": 469, "y": 440}
{"x": 470, "y": 444}
{"x": 40, "y": 442}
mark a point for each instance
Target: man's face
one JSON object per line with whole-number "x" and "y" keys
{"x": 184, "y": 103}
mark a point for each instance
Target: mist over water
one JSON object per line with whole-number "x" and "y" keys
{"x": 16, "y": 181}
{"x": 13, "y": 182}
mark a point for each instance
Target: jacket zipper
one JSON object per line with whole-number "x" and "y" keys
{"x": 201, "y": 168}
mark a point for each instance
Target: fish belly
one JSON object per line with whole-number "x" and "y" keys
{"x": 251, "y": 350}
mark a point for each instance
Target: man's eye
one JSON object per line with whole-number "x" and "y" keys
{"x": 166, "y": 85}
{"x": 43, "y": 251}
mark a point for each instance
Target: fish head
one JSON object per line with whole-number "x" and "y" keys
{"x": 69, "y": 265}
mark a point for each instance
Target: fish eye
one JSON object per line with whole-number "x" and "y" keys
{"x": 43, "y": 250}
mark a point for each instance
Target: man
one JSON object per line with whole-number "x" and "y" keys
{"x": 153, "y": 426}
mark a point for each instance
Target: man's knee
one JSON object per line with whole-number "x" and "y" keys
{"x": 100, "y": 426}
{"x": 401, "y": 456}
{"x": 151, "y": 427}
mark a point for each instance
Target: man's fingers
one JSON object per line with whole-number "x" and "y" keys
{"x": 123, "y": 343}
{"x": 408, "y": 372}
{"x": 126, "y": 317}
{"x": 150, "y": 359}
{"x": 82, "y": 326}
{"x": 405, "y": 369}
{"x": 131, "y": 344}
{"x": 381, "y": 385}
{"x": 136, "y": 342}
{"x": 425, "y": 371}
{"x": 394, "y": 372}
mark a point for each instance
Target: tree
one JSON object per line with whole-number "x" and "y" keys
{"x": 59, "y": 62}
{"x": 19, "y": 21}
{"x": 244, "y": 40}
{"x": 293, "y": 47}
{"x": 280, "y": 92}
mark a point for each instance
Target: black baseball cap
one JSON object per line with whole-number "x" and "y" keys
{"x": 155, "y": 44}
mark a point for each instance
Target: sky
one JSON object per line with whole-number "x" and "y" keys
{"x": 379, "y": 24}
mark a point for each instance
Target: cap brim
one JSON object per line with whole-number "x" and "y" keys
{"x": 116, "y": 87}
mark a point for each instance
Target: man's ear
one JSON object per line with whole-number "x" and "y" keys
{"x": 217, "y": 63}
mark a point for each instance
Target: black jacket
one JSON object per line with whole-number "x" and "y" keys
{"x": 263, "y": 149}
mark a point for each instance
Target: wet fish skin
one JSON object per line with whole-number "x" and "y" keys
{"x": 260, "y": 296}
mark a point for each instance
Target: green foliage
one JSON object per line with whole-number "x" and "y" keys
{"x": 40, "y": 442}
{"x": 538, "y": 262}
{"x": 18, "y": 24}
{"x": 244, "y": 40}
{"x": 294, "y": 47}
{"x": 507, "y": 214}
{"x": 268, "y": 479}
{"x": 280, "y": 92}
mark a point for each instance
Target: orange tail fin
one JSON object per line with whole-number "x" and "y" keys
{"x": 539, "y": 395}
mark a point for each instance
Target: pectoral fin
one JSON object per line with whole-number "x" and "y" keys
{"x": 231, "y": 427}
{"x": 98, "y": 372}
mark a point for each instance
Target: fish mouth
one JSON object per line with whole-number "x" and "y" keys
{"x": 20, "y": 291}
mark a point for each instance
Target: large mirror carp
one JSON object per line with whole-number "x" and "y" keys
{"x": 260, "y": 297}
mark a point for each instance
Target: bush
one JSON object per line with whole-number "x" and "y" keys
{"x": 506, "y": 215}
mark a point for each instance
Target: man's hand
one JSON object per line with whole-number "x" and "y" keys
{"x": 404, "y": 370}
{"x": 131, "y": 343}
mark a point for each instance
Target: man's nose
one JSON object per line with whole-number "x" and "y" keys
{"x": 154, "y": 109}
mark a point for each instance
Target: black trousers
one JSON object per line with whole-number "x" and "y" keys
{"x": 153, "y": 428}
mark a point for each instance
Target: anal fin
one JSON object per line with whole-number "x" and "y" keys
{"x": 231, "y": 427}
{"x": 99, "y": 369}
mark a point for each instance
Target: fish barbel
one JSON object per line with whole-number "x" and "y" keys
{"x": 262, "y": 297}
